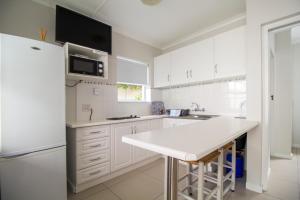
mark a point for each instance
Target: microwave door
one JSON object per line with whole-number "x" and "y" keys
{"x": 83, "y": 66}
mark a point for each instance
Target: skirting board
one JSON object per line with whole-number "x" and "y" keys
{"x": 297, "y": 146}
{"x": 265, "y": 186}
{"x": 283, "y": 156}
{"x": 254, "y": 188}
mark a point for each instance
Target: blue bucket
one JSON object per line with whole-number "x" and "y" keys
{"x": 239, "y": 169}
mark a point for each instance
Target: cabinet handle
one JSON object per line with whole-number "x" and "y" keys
{"x": 168, "y": 77}
{"x": 216, "y": 68}
{"x": 187, "y": 74}
{"x": 95, "y": 159}
{"x": 94, "y": 173}
{"x": 191, "y": 74}
{"x": 95, "y": 146}
{"x": 96, "y": 132}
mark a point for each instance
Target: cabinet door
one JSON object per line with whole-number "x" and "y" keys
{"x": 162, "y": 67}
{"x": 155, "y": 124}
{"x": 201, "y": 61}
{"x": 140, "y": 154}
{"x": 230, "y": 53}
{"x": 179, "y": 66}
{"x": 121, "y": 153}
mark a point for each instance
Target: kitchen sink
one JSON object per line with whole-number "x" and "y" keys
{"x": 122, "y": 118}
{"x": 199, "y": 117}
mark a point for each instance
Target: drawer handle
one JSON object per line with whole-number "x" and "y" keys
{"x": 95, "y": 159}
{"x": 96, "y": 132}
{"x": 95, "y": 146}
{"x": 94, "y": 173}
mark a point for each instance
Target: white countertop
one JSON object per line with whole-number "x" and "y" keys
{"x": 193, "y": 141}
{"x": 80, "y": 124}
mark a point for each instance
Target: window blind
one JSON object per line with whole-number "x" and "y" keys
{"x": 132, "y": 72}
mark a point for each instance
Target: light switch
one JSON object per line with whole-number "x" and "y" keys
{"x": 96, "y": 91}
{"x": 86, "y": 107}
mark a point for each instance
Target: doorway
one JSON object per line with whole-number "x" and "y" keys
{"x": 281, "y": 91}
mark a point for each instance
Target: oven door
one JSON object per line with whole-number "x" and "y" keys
{"x": 79, "y": 65}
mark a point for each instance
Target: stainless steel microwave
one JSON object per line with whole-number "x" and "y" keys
{"x": 85, "y": 66}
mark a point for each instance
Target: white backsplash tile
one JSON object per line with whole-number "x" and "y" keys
{"x": 219, "y": 98}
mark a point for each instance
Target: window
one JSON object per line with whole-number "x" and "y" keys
{"x": 132, "y": 80}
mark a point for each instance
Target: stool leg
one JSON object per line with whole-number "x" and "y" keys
{"x": 200, "y": 181}
{"x": 233, "y": 163}
{"x": 220, "y": 175}
{"x": 190, "y": 170}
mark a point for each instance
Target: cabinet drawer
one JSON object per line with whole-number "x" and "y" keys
{"x": 93, "y": 159}
{"x": 91, "y": 146}
{"x": 94, "y": 132}
{"x": 92, "y": 173}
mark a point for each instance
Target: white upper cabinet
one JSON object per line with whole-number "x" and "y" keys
{"x": 162, "y": 69}
{"x": 201, "y": 61}
{"x": 179, "y": 66}
{"x": 230, "y": 53}
{"x": 192, "y": 63}
{"x": 222, "y": 56}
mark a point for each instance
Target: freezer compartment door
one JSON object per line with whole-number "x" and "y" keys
{"x": 33, "y": 95}
{"x": 38, "y": 176}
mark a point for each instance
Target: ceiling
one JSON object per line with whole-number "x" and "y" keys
{"x": 158, "y": 25}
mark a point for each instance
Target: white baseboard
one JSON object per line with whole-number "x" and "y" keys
{"x": 284, "y": 156}
{"x": 296, "y": 146}
{"x": 254, "y": 188}
{"x": 265, "y": 185}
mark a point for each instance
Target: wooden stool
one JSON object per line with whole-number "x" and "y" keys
{"x": 202, "y": 177}
{"x": 230, "y": 176}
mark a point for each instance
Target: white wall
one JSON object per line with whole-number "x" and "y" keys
{"x": 281, "y": 135}
{"x": 216, "y": 98}
{"x": 25, "y": 17}
{"x": 258, "y": 13}
{"x": 106, "y": 105}
{"x": 296, "y": 91}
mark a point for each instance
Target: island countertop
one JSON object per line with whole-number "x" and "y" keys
{"x": 193, "y": 141}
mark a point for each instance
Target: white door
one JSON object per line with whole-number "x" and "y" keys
{"x": 201, "y": 61}
{"x": 33, "y": 95}
{"x": 180, "y": 65}
{"x": 121, "y": 155}
{"x": 230, "y": 52}
{"x": 140, "y": 154}
{"x": 162, "y": 70}
{"x": 37, "y": 176}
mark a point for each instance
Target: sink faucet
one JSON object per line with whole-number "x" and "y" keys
{"x": 197, "y": 107}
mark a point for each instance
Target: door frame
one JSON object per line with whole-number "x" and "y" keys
{"x": 266, "y": 28}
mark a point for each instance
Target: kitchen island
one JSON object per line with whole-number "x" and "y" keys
{"x": 189, "y": 143}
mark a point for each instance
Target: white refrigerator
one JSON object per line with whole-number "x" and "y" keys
{"x": 33, "y": 152}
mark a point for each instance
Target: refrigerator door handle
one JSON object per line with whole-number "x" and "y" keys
{"x": 18, "y": 155}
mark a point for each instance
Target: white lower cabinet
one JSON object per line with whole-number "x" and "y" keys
{"x": 121, "y": 153}
{"x": 140, "y": 154}
{"x": 97, "y": 153}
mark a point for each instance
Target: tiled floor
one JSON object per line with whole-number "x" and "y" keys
{"x": 146, "y": 183}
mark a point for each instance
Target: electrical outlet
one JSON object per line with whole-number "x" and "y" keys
{"x": 86, "y": 107}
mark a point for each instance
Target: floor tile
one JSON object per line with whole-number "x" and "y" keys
{"x": 121, "y": 178}
{"x": 83, "y": 195}
{"x": 103, "y": 195}
{"x": 137, "y": 187}
{"x": 156, "y": 171}
{"x": 283, "y": 189}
